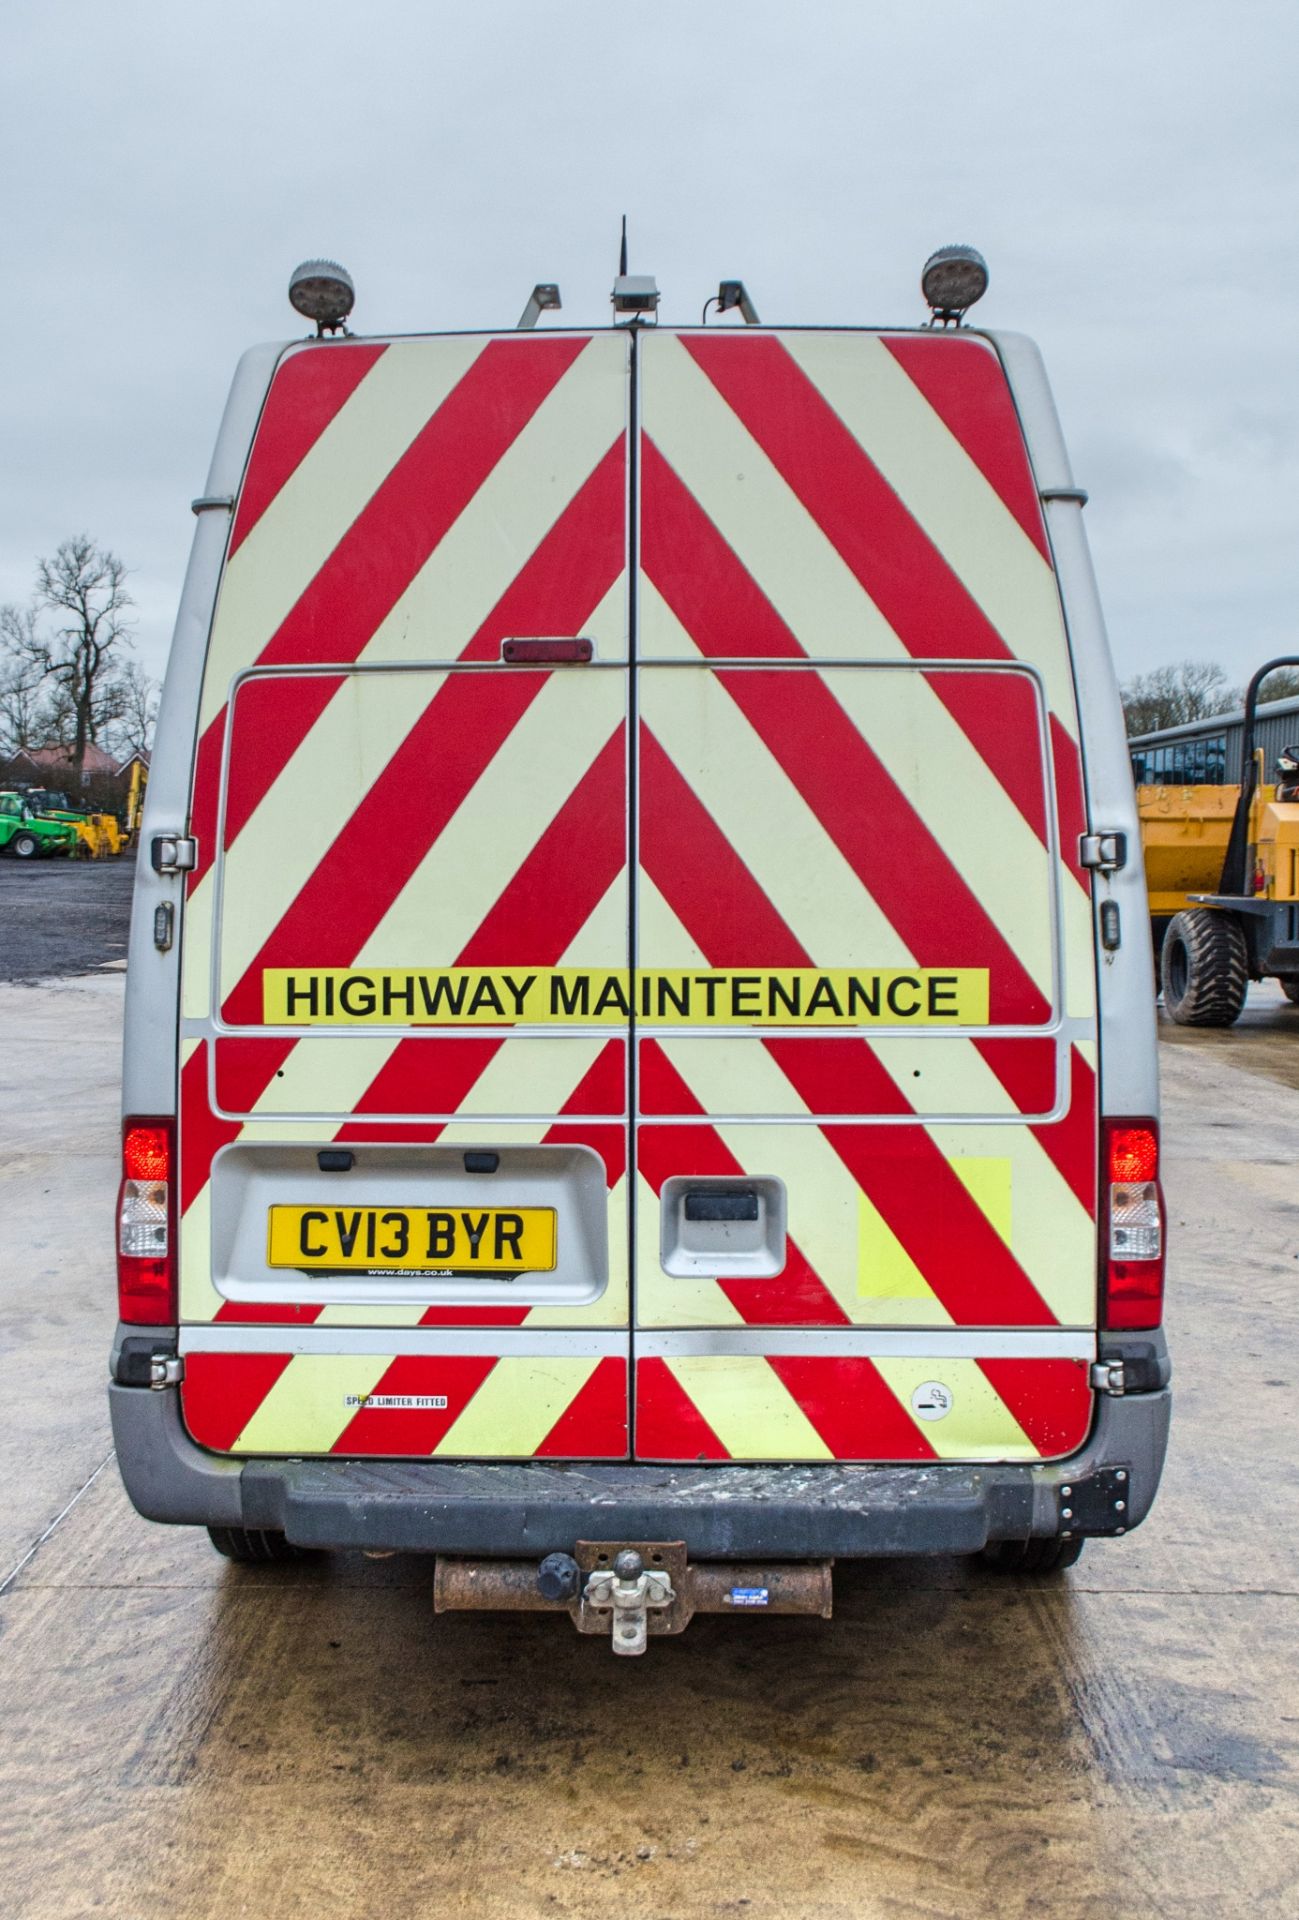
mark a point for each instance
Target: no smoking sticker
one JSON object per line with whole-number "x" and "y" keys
{"x": 931, "y": 1400}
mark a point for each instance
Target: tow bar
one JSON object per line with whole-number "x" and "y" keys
{"x": 629, "y": 1590}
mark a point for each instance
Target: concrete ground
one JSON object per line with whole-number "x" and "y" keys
{"x": 182, "y": 1737}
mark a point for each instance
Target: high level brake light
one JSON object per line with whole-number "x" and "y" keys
{"x": 1132, "y": 1225}
{"x": 146, "y": 1290}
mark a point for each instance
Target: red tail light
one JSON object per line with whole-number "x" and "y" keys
{"x": 146, "y": 1254}
{"x": 1132, "y": 1226}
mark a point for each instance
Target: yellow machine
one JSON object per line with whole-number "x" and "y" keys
{"x": 1184, "y": 833}
{"x": 1276, "y": 867}
{"x": 100, "y": 834}
{"x": 135, "y": 801}
{"x": 1222, "y": 870}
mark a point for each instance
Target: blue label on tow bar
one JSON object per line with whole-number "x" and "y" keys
{"x": 748, "y": 1596}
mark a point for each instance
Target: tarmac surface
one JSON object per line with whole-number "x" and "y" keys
{"x": 61, "y": 916}
{"x": 185, "y": 1737}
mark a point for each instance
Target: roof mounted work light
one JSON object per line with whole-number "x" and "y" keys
{"x": 952, "y": 280}
{"x": 322, "y": 291}
{"x": 734, "y": 293}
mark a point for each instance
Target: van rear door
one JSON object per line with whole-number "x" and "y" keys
{"x": 865, "y": 1014}
{"x": 403, "y": 1113}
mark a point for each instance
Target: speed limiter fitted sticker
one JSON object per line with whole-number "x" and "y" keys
{"x": 762, "y": 997}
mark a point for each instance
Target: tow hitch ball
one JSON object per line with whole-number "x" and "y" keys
{"x": 629, "y": 1590}
{"x": 627, "y": 1593}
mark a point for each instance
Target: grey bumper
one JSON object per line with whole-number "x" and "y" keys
{"x": 721, "y": 1512}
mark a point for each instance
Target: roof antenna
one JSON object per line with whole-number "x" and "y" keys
{"x": 633, "y": 293}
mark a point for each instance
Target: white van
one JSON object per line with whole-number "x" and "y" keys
{"x": 640, "y": 1065}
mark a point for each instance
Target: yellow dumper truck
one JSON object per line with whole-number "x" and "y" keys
{"x": 1222, "y": 870}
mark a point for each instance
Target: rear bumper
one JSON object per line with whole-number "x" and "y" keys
{"x": 721, "y": 1512}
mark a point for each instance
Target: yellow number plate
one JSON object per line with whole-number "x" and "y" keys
{"x": 436, "y": 1240}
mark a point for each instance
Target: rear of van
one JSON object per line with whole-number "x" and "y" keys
{"x": 639, "y": 1037}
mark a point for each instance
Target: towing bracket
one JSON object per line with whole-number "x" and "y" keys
{"x": 628, "y": 1591}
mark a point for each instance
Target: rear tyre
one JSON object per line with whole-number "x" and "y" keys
{"x": 1032, "y": 1556}
{"x": 1290, "y": 988}
{"x": 254, "y": 1546}
{"x": 25, "y": 846}
{"x": 1205, "y": 968}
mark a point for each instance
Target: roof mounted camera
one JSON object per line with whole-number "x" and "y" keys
{"x": 952, "y": 280}
{"x": 635, "y": 293}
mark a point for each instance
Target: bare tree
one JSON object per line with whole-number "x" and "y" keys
{"x": 1281, "y": 685}
{"x": 22, "y": 722}
{"x": 1170, "y": 696}
{"x": 82, "y": 591}
{"x": 135, "y": 696}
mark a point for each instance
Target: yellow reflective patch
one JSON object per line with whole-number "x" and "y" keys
{"x": 887, "y": 1276}
{"x": 762, "y": 997}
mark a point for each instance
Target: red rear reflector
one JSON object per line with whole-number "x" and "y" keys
{"x": 1134, "y": 1154}
{"x": 146, "y": 1268}
{"x": 1134, "y": 1296}
{"x": 1132, "y": 1226}
{"x": 547, "y": 653}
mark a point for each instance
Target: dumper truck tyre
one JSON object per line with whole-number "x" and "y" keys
{"x": 1290, "y": 988}
{"x": 25, "y": 846}
{"x": 254, "y": 1546}
{"x": 1032, "y": 1556}
{"x": 1204, "y": 968}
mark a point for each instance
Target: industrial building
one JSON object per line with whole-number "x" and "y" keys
{"x": 1207, "y": 752}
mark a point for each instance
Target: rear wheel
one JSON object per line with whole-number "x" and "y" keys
{"x": 1032, "y": 1556}
{"x": 25, "y": 846}
{"x": 1205, "y": 967}
{"x": 1290, "y": 988}
{"x": 254, "y": 1546}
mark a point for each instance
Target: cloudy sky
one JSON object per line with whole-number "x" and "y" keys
{"x": 1130, "y": 171}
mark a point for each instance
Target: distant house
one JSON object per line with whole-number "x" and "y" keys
{"x": 52, "y": 766}
{"x": 127, "y": 766}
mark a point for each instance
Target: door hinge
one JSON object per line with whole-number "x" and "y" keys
{"x": 173, "y": 853}
{"x": 1106, "y": 852}
{"x": 166, "y": 1370}
{"x": 1107, "y": 1376}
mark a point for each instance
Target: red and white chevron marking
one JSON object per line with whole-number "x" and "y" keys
{"x": 812, "y": 503}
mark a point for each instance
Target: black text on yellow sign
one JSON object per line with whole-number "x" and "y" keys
{"x": 412, "y": 1239}
{"x": 576, "y": 996}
